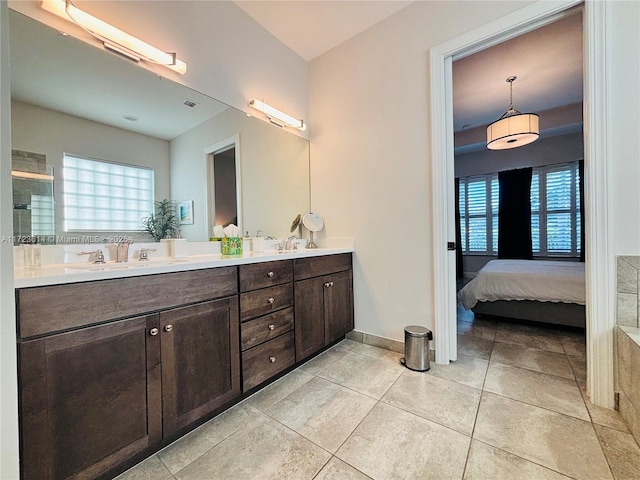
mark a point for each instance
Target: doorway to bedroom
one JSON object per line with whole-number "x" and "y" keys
{"x": 545, "y": 233}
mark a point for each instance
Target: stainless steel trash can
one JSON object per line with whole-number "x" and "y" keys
{"x": 416, "y": 348}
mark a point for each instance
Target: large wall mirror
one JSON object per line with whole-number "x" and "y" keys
{"x": 70, "y": 98}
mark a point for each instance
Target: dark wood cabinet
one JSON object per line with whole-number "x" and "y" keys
{"x": 323, "y": 304}
{"x": 338, "y": 305}
{"x": 266, "y": 313}
{"x": 113, "y": 369}
{"x": 200, "y": 361}
{"x": 90, "y": 399}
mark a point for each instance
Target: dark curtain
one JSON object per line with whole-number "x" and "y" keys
{"x": 581, "y": 187}
{"x": 514, "y": 217}
{"x": 459, "y": 265}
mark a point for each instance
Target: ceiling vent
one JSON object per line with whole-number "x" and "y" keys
{"x": 189, "y": 103}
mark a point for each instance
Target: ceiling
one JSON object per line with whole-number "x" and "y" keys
{"x": 311, "y": 27}
{"x": 547, "y": 63}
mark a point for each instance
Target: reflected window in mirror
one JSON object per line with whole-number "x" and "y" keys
{"x": 104, "y": 196}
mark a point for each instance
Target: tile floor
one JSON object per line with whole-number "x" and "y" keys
{"x": 513, "y": 406}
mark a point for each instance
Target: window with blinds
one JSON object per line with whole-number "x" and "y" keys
{"x": 479, "y": 214}
{"x": 555, "y": 212}
{"x": 104, "y": 196}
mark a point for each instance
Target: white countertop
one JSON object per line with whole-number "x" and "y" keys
{"x": 85, "y": 272}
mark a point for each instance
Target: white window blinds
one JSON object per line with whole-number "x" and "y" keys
{"x": 555, "y": 212}
{"x": 103, "y": 196}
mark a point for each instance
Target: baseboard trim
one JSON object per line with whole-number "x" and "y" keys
{"x": 382, "y": 342}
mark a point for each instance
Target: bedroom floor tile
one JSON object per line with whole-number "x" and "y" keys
{"x": 474, "y": 346}
{"x": 574, "y": 346}
{"x": 533, "y": 359}
{"x": 474, "y": 329}
{"x": 541, "y": 341}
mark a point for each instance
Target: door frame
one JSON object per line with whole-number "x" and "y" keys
{"x": 599, "y": 274}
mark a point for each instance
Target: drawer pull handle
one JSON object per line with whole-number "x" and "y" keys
{"x": 168, "y": 328}
{"x": 272, "y": 359}
{"x": 271, "y": 300}
{"x": 272, "y": 327}
{"x": 153, "y": 332}
{"x": 270, "y": 274}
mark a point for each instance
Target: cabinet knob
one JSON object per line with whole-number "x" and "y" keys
{"x": 331, "y": 284}
{"x": 271, "y": 300}
{"x": 168, "y": 328}
{"x": 270, "y": 274}
{"x": 153, "y": 332}
{"x": 272, "y": 359}
{"x": 272, "y": 327}
{"x": 328, "y": 284}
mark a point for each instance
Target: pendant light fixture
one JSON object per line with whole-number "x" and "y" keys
{"x": 514, "y": 128}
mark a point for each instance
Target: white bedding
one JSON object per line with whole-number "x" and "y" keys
{"x": 545, "y": 281}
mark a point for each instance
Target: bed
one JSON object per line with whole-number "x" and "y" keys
{"x": 534, "y": 290}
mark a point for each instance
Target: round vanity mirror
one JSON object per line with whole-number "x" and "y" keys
{"x": 314, "y": 223}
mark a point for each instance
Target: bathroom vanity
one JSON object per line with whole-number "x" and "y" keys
{"x": 113, "y": 369}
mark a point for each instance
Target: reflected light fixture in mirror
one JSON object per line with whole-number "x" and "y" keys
{"x": 513, "y": 129}
{"x": 113, "y": 38}
{"x": 276, "y": 116}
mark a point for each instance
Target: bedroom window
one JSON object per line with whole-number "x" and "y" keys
{"x": 555, "y": 210}
{"x": 105, "y": 196}
{"x": 479, "y": 214}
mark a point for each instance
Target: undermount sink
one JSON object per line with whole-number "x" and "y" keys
{"x": 95, "y": 267}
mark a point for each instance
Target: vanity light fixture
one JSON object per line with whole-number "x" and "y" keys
{"x": 113, "y": 38}
{"x": 513, "y": 129}
{"x": 276, "y": 116}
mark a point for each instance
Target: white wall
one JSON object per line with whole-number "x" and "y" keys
{"x": 371, "y": 160}
{"x": 623, "y": 87}
{"x": 274, "y": 173}
{"x": 52, "y": 133}
{"x": 546, "y": 151}
{"x": 229, "y": 56}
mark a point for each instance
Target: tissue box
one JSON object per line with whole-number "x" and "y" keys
{"x": 232, "y": 246}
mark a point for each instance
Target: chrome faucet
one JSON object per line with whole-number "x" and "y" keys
{"x": 144, "y": 254}
{"x": 122, "y": 251}
{"x": 97, "y": 255}
{"x": 289, "y": 243}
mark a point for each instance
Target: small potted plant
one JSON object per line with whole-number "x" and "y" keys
{"x": 163, "y": 223}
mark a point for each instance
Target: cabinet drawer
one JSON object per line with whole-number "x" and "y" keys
{"x": 265, "y": 274}
{"x": 255, "y": 332}
{"x": 309, "y": 267}
{"x": 264, "y": 361}
{"x": 264, "y": 301}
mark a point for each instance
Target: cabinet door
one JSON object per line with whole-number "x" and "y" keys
{"x": 200, "y": 360}
{"x": 309, "y": 317}
{"x": 90, "y": 399}
{"x": 338, "y": 305}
